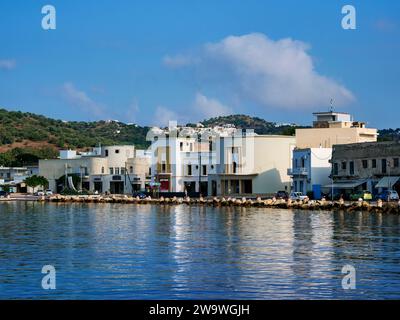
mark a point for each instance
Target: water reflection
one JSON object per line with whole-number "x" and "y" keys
{"x": 160, "y": 252}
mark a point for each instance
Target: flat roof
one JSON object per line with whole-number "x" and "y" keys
{"x": 329, "y": 112}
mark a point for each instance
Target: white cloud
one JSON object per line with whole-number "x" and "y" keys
{"x": 163, "y": 115}
{"x": 271, "y": 73}
{"x": 209, "y": 107}
{"x": 80, "y": 99}
{"x": 7, "y": 64}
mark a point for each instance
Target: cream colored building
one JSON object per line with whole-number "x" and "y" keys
{"x": 332, "y": 128}
{"x": 252, "y": 164}
{"x": 112, "y": 169}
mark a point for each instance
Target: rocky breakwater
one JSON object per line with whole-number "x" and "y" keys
{"x": 379, "y": 206}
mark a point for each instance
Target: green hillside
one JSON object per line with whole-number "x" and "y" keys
{"x": 26, "y": 137}
{"x": 259, "y": 125}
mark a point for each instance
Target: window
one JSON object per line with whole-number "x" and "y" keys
{"x": 189, "y": 169}
{"x": 303, "y": 163}
{"x": 204, "y": 170}
{"x": 396, "y": 162}
{"x": 149, "y": 171}
{"x": 116, "y": 170}
{"x": 295, "y": 163}
{"x": 212, "y": 167}
{"x": 122, "y": 170}
{"x": 111, "y": 170}
{"x": 344, "y": 165}
{"x": 163, "y": 167}
{"x": 351, "y": 168}
{"x": 106, "y": 152}
{"x": 365, "y": 164}
{"x": 384, "y": 165}
{"x": 181, "y": 146}
{"x": 116, "y": 150}
{"x": 234, "y": 165}
{"x": 210, "y": 145}
{"x": 130, "y": 169}
{"x": 102, "y": 170}
{"x": 373, "y": 163}
{"x": 335, "y": 169}
{"x": 247, "y": 186}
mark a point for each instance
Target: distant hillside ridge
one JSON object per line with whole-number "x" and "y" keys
{"x": 26, "y": 137}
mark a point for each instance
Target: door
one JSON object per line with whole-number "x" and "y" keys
{"x": 214, "y": 188}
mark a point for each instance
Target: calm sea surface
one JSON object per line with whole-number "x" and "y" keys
{"x": 113, "y": 251}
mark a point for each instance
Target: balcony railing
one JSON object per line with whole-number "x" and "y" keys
{"x": 297, "y": 172}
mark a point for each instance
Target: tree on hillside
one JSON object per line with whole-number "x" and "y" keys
{"x": 36, "y": 181}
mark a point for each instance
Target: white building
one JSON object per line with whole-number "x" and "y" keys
{"x": 113, "y": 169}
{"x": 310, "y": 170}
{"x": 183, "y": 157}
{"x": 13, "y": 178}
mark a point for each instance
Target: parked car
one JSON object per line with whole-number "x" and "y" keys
{"x": 140, "y": 195}
{"x": 48, "y": 192}
{"x": 297, "y": 196}
{"x": 282, "y": 195}
{"x": 365, "y": 195}
{"x": 39, "y": 193}
{"x": 3, "y": 194}
{"x": 388, "y": 195}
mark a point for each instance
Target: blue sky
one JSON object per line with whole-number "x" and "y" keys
{"x": 149, "y": 61}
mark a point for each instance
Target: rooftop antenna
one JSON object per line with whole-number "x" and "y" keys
{"x": 331, "y": 108}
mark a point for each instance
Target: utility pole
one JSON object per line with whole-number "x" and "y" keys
{"x": 199, "y": 154}
{"x": 80, "y": 169}
{"x": 66, "y": 176}
{"x": 389, "y": 186}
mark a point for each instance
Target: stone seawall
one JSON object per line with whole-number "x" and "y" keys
{"x": 380, "y": 206}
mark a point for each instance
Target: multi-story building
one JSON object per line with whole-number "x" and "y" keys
{"x": 331, "y": 128}
{"x": 313, "y": 148}
{"x": 311, "y": 170}
{"x": 251, "y": 164}
{"x": 371, "y": 166}
{"x": 183, "y": 157}
{"x": 113, "y": 169}
{"x": 8, "y": 174}
{"x": 13, "y": 177}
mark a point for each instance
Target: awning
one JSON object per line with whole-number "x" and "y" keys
{"x": 387, "y": 182}
{"x": 345, "y": 184}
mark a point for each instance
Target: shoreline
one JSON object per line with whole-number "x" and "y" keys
{"x": 311, "y": 205}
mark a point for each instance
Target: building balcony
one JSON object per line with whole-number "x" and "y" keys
{"x": 297, "y": 172}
